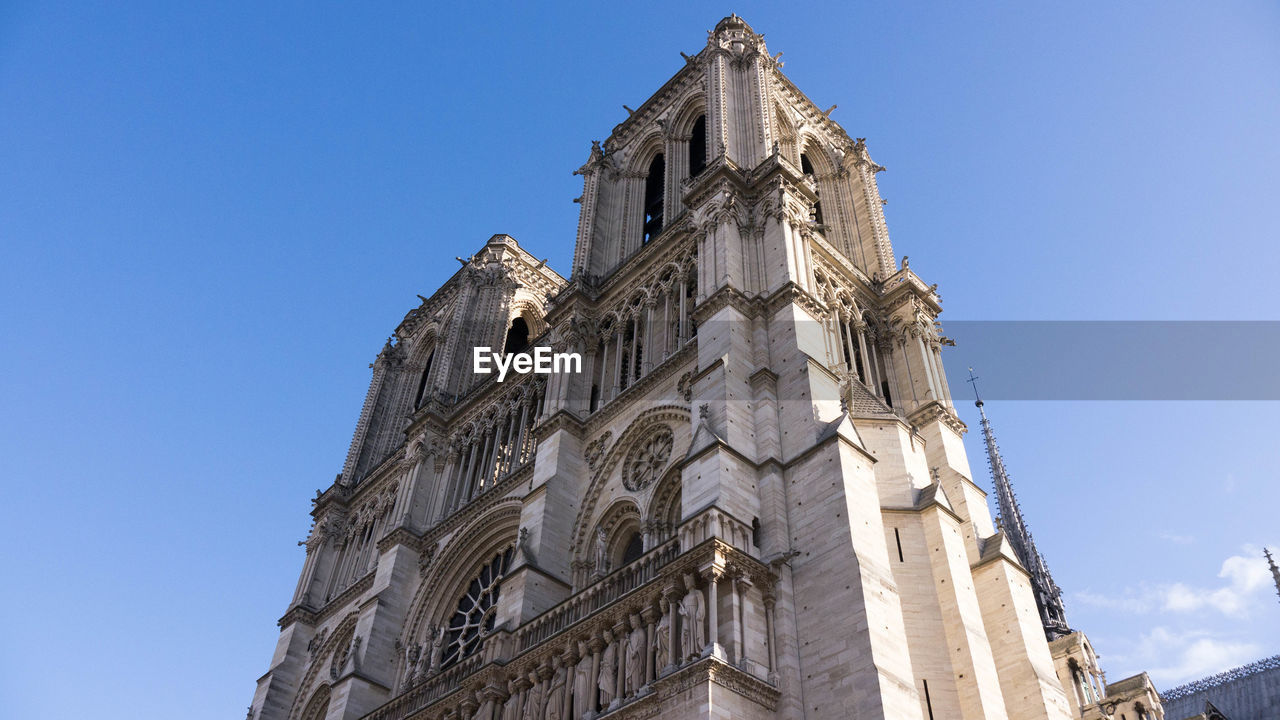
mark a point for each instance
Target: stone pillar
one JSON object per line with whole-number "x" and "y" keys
{"x": 620, "y": 633}
{"x": 673, "y": 638}
{"x": 713, "y": 576}
{"x": 770, "y": 601}
{"x": 597, "y": 644}
{"x": 650, "y": 616}
{"x": 735, "y": 611}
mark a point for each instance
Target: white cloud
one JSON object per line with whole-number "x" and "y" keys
{"x": 1173, "y": 657}
{"x": 1245, "y": 576}
{"x": 1177, "y": 539}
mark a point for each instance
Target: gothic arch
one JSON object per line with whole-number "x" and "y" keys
{"x": 618, "y": 522}
{"x": 524, "y": 304}
{"x": 338, "y": 639}
{"x": 675, "y": 415}
{"x": 690, "y": 108}
{"x": 318, "y": 706}
{"x": 664, "y": 511}
{"x": 646, "y": 148}
{"x": 815, "y": 148}
{"x": 453, "y": 567}
{"x": 785, "y": 131}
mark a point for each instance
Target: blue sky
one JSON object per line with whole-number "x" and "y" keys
{"x": 211, "y": 218}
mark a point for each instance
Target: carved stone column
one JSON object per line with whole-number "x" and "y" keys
{"x": 620, "y": 631}
{"x": 650, "y": 615}
{"x": 770, "y": 601}
{"x": 597, "y": 644}
{"x": 735, "y": 613}
{"x": 714, "y": 647}
{"x": 672, "y": 594}
{"x": 467, "y": 706}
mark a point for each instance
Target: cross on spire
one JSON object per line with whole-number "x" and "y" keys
{"x": 1047, "y": 594}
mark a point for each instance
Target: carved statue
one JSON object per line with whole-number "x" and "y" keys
{"x": 437, "y": 642}
{"x": 524, "y": 548}
{"x": 608, "y": 680}
{"x": 533, "y": 699}
{"x": 693, "y": 612}
{"x": 511, "y": 708}
{"x": 662, "y": 640}
{"x": 582, "y": 689}
{"x": 636, "y": 645}
{"x": 411, "y": 653}
{"x": 555, "y": 692}
{"x": 602, "y": 553}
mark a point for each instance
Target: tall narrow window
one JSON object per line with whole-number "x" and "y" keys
{"x": 698, "y": 147}
{"x": 633, "y": 549}
{"x": 517, "y": 336}
{"x": 422, "y": 383}
{"x": 654, "y": 186}
{"x": 806, "y": 167}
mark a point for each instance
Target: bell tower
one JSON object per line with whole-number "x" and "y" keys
{"x": 753, "y": 500}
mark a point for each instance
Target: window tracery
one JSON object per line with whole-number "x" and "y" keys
{"x": 648, "y": 459}
{"x": 474, "y": 616}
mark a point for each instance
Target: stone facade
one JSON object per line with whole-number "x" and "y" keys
{"x": 753, "y": 501}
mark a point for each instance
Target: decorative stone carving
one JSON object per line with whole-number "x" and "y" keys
{"x": 648, "y": 459}
{"x": 602, "y": 553}
{"x": 317, "y": 642}
{"x": 524, "y": 548}
{"x": 685, "y": 386}
{"x": 556, "y": 691}
{"x": 637, "y": 643}
{"x": 533, "y": 699}
{"x": 693, "y": 614}
{"x": 347, "y": 661}
{"x": 608, "y": 679}
{"x": 595, "y": 450}
{"x": 662, "y": 640}
{"x": 411, "y": 653}
{"x": 582, "y": 683}
{"x": 511, "y": 708}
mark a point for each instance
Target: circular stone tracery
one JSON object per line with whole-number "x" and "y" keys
{"x": 473, "y": 619}
{"x": 647, "y": 459}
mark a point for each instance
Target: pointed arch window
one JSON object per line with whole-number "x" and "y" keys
{"x": 422, "y": 382}
{"x": 654, "y": 188}
{"x": 517, "y": 336}
{"x": 806, "y": 167}
{"x": 698, "y": 146}
{"x": 633, "y": 549}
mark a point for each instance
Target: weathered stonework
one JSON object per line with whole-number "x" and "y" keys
{"x": 753, "y": 502}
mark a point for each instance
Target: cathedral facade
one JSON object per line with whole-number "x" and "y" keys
{"x": 752, "y": 499}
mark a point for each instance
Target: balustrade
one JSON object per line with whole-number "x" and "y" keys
{"x": 611, "y": 642}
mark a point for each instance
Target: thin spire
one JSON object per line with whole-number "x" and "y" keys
{"x": 1275, "y": 571}
{"x": 1048, "y": 596}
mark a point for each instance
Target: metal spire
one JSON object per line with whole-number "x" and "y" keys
{"x": 1275, "y": 571}
{"x": 1048, "y": 596}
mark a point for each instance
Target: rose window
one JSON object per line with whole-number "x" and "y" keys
{"x": 473, "y": 619}
{"x": 647, "y": 460}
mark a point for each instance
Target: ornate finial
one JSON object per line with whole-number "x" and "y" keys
{"x": 1275, "y": 572}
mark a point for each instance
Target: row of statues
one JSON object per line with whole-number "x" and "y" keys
{"x": 616, "y": 665}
